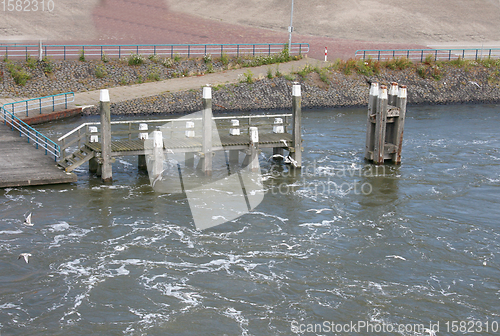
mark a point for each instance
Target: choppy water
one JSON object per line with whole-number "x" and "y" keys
{"x": 418, "y": 243}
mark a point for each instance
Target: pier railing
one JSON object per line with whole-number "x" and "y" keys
{"x": 421, "y": 54}
{"x": 61, "y": 51}
{"x": 37, "y": 104}
{"x": 32, "y": 135}
{"x": 129, "y": 129}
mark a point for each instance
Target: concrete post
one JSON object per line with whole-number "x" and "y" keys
{"x": 370, "y": 128}
{"x": 400, "y": 123}
{"x": 141, "y": 159}
{"x": 296, "y": 133}
{"x": 380, "y": 126}
{"x": 107, "y": 174}
{"x": 234, "y": 155}
{"x": 207, "y": 131}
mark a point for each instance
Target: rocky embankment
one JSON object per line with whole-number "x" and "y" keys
{"x": 468, "y": 82}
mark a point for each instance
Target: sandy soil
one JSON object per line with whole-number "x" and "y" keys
{"x": 342, "y": 26}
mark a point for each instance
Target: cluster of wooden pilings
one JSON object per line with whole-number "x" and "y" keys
{"x": 203, "y": 145}
{"x": 386, "y": 119}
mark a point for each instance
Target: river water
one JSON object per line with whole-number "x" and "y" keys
{"x": 413, "y": 249}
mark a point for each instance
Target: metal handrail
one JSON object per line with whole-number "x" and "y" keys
{"x": 123, "y": 50}
{"x": 31, "y": 134}
{"x": 422, "y": 54}
{"x": 76, "y": 135}
{"x": 40, "y": 103}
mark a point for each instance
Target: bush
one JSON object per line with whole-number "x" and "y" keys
{"x": 247, "y": 77}
{"x": 167, "y": 62}
{"x": 20, "y": 76}
{"x": 105, "y": 58}
{"x": 31, "y": 62}
{"x": 100, "y": 71}
{"x": 154, "y": 76}
{"x": 48, "y": 66}
{"x": 136, "y": 59}
{"x": 269, "y": 73}
{"x": 82, "y": 56}
{"x": 224, "y": 59}
{"x": 154, "y": 58}
{"x": 207, "y": 58}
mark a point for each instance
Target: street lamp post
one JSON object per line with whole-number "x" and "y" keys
{"x": 290, "y": 29}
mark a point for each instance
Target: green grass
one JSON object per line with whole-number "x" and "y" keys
{"x": 31, "y": 62}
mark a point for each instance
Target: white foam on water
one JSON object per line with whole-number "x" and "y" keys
{"x": 61, "y": 226}
{"x": 11, "y": 232}
{"x": 237, "y": 316}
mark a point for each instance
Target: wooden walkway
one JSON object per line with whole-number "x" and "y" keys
{"x": 21, "y": 164}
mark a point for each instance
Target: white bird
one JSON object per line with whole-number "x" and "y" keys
{"x": 288, "y": 246}
{"x": 318, "y": 211}
{"x": 25, "y": 256}
{"x": 27, "y": 220}
{"x": 276, "y": 156}
{"x": 284, "y": 142}
{"x": 158, "y": 178}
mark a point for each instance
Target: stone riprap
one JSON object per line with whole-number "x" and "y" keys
{"x": 450, "y": 85}
{"x": 456, "y": 86}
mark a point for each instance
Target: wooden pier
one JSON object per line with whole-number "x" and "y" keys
{"x": 385, "y": 125}
{"x": 24, "y": 165}
{"x": 198, "y": 136}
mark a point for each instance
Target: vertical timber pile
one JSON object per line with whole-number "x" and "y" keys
{"x": 206, "y": 159}
{"x": 399, "y": 124}
{"x": 107, "y": 174}
{"x": 296, "y": 134}
{"x": 141, "y": 159}
{"x": 372, "y": 111}
{"x": 386, "y": 116}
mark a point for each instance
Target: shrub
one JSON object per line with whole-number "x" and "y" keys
{"x": 247, "y": 77}
{"x": 82, "y": 56}
{"x": 100, "y": 71}
{"x": 154, "y": 58}
{"x": 154, "y": 76}
{"x": 207, "y": 58}
{"x": 398, "y": 63}
{"x": 167, "y": 62}
{"x": 224, "y": 59}
{"x": 177, "y": 58}
{"x": 20, "y": 76}
{"x": 269, "y": 73}
{"x": 136, "y": 59}
{"x": 421, "y": 71}
{"x": 48, "y": 66}
{"x": 210, "y": 68}
{"x": 31, "y": 62}
{"x": 105, "y": 58}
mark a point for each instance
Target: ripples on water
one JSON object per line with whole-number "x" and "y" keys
{"x": 121, "y": 260}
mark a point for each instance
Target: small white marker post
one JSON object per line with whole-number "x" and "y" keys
{"x": 326, "y": 54}
{"x": 207, "y": 131}
{"x": 158, "y": 156}
{"x": 297, "y": 116}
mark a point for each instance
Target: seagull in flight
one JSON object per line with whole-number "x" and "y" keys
{"x": 286, "y": 159}
{"x": 158, "y": 178}
{"x": 288, "y": 246}
{"x": 25, "y": 256}
{"x": 27, "y": 220}
{"x": 318, "y": 211}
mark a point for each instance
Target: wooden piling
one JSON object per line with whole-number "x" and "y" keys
{"x": 384, "y": 133}
{"x": 207, "y": 131}
{"x": 107, "y": 173}
{"x": 141, "y": 159}
{"x": 370, "y": 128}
{"x": 296, "y": 153}
{"x": 158, "y": 155}
{"x": 380, "y": 126}
{"x": 399, "y": 124}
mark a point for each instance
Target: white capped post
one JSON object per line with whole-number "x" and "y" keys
{"x": 107, "y": 174}
{"x": 296, "y": 150}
